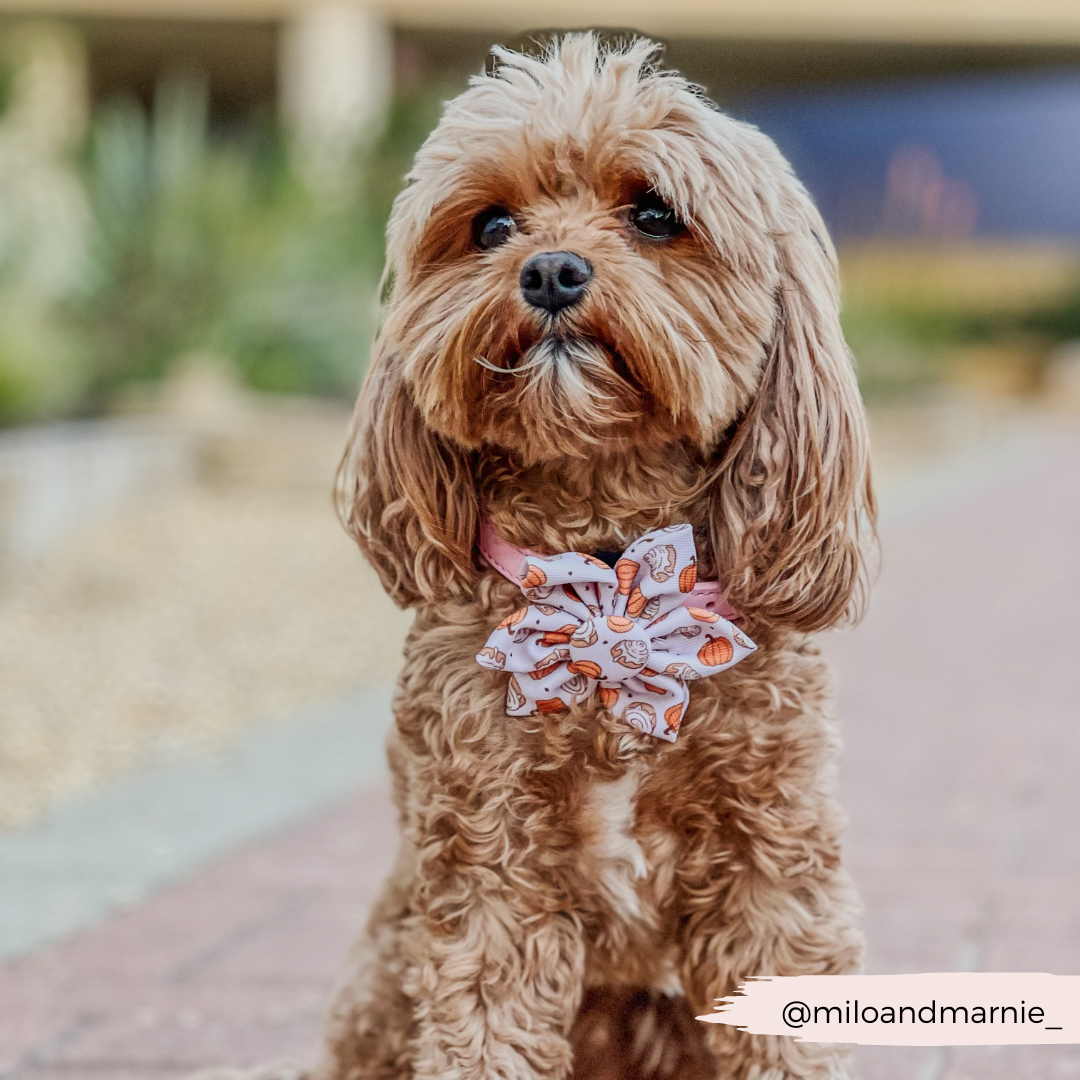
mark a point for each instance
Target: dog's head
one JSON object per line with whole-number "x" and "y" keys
{"x": 589, "y": 255}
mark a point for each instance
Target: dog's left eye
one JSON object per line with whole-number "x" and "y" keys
{"x": 493, "y": 227}
{"x": 653, "y": 217}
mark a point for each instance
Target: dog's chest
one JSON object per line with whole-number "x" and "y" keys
{"x": 629, "y": 860}
{"x": 613, "y": 853}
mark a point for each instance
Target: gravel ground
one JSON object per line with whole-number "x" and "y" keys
{"x": 173, "y": 627}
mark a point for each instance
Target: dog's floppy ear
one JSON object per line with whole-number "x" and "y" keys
{"x": 406, "y": 494}
{"x": 792, "y": 511}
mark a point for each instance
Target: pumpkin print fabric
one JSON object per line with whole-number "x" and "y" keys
{"x": 625, "y": 633}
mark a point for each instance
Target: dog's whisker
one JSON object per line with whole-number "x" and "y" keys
{"x": 529, "y": 365}
{"x": 516, "y": 371}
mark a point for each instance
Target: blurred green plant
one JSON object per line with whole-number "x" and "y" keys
{"x": 902, "y": 352}
{"x": 1056, "y": 321}
{"x": 982, "y": 315}
{"x": 908, "y": 352}
{"x": 209, "y": 244}
{"x": 216, "y": 247}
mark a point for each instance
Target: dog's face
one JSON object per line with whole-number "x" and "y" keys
{"x": 590, "y": 260}
{"x": 583, "y": 256}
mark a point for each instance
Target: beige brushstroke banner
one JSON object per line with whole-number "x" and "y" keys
{"x": 945, "y": 1009}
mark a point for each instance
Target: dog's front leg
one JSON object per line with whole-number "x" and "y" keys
{"x": 785, "y": 927}
{"x": 496, "y": 964}
{"x": 764, "y": 890}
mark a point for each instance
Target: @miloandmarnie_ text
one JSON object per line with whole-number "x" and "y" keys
{"x": 797, "y": 1014}
{"x": 941, "y": 1009}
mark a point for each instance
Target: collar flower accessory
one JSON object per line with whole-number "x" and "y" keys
{"x": 630, "y": 633}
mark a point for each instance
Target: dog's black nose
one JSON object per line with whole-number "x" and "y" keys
{"x": 554, "y": 280}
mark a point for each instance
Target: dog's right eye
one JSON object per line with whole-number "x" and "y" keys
{"x": 652, "y": 217}
{"x": 493, "y": 227}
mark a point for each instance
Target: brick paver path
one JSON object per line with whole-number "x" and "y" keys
{"x": 960, "y": 699}
{"x": 233, "y": 964}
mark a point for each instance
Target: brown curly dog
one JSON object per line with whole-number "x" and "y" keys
{"x": 612, "y": 309}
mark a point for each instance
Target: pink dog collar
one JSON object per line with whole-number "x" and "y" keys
{"x": 506, "y": 558}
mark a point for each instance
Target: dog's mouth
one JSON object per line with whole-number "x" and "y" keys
{"x": 571, "y": 351}
{"x": 571, "y": 390}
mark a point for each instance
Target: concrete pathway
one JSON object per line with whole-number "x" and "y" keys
{"x": 120, "y": 845}
{"x": 960, "y": 695}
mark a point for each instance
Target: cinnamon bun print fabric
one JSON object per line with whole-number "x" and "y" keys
{"x": 625, "y": 633}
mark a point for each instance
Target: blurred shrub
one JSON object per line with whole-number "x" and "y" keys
{"x": 1058, "y": 320}
{"x": 202, "y": 243}
{"x": 215, "y": 247}
{"x": 902, "y": 352}
{"x": 981, "y": 314}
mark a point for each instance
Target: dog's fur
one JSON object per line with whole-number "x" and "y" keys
{"x": 569, "y": 891}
